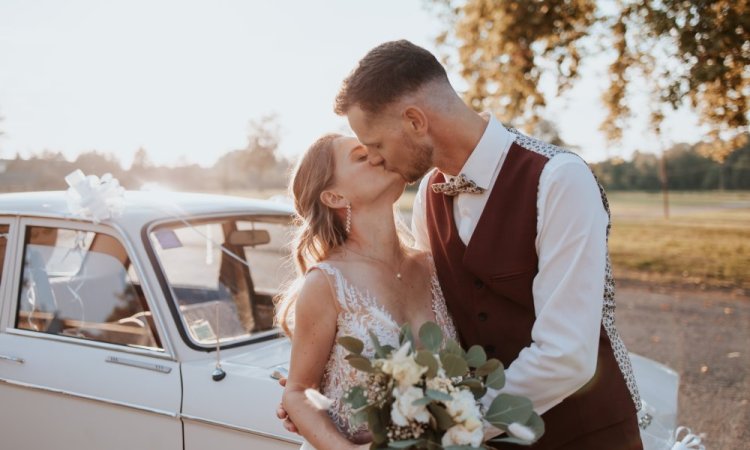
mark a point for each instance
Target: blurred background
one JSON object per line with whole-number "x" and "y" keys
{"x": 223, "y": 96}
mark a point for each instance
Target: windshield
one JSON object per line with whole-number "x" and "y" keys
{"x": 224, "y": 273}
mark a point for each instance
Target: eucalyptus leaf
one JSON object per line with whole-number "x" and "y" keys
{"x": 404, "y": 444}
{"x": 488, "y": 367}
{"x": 454, "y": 365}
{"x": 405, "y": 335}
{"x": 352, "y": 344}
{"x": 453, "y": 347}
{"x": 443, "y": 419}
{"x": 506, "y": 409}
{"x": 360, "y": 363}
{"x": 536, "y": 423}
{"x": 429, "y": 445}
{"x": 356, "y": 397}
{"x": 376, "y": 426}
{"x": 496, "y": 378}
{"x": 438, "y": 395}
{"x": 476, "y": 386}
{"x": 426, "y": 359}
{"x": 422, "y": 401}
{"x": 476, "y": 356}
{"x": 376, "y": 345}
{"x": 509, "y": 440}
{"x": 431, "y": 336}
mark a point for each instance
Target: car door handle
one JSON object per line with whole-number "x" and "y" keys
{"x": 279, "y": 372}
{"x": 14, "y": 359}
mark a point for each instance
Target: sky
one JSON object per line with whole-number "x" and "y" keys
{"x": 184, "y": 78}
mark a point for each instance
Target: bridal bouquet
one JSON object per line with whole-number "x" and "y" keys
{"x": 429, "y": 398}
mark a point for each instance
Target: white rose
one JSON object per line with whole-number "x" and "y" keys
{"x": 521, "y": 431}
{"x": 460, "y": 435}
{"x": 463, "y": 407}
{"x": 403, "y": 409}
{"x": 402, "y": 367}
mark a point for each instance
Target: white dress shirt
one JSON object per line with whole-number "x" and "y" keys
{"x": 568, "y": 289}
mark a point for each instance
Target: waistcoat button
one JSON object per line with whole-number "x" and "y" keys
{"x": 478, "y": 283}
{"x": 482, "y": 317}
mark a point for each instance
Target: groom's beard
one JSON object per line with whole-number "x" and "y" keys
{"x": 420, "y": 160}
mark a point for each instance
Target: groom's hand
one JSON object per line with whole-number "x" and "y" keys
{"x": 282, "y": 415}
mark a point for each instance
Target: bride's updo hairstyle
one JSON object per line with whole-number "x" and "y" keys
{"x": 320, "y": 228}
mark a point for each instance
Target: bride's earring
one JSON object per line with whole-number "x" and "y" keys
{"x": 348, "y": 218}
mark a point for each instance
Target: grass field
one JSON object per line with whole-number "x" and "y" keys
{"x": 705, "y": 242}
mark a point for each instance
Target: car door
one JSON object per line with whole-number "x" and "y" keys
{"x": 83, "y": 363}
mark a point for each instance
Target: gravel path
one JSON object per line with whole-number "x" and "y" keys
{"x": 704, "y": 336}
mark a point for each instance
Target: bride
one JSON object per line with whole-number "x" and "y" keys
{"x": 356, "y": 275}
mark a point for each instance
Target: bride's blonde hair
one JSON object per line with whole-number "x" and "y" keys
{"x": 320, "y": 228}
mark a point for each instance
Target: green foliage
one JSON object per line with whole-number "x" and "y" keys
{"x": 426, "y": 359}
{"x": 476, "y": 357}
{"x": 506, "y": 409}
{"x": 354, "y": 345}
{"x": 431, "y": 336}
{"x": 692, "y": 50}
{"x": 687, "y": 169}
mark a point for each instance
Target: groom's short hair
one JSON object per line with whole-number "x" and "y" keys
{"x": 386, "y": 73}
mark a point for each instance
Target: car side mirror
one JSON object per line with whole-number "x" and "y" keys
{"x": 249, "y": 238}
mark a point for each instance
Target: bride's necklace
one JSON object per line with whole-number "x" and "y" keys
{"x": 400, "y": 263}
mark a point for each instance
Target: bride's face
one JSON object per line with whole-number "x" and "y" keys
{"x": 359, "y": 181}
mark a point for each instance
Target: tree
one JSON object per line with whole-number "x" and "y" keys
{"x": 256, "y": 165}
{"x": 141, "y": 161}
{"x": 501, "y": 44}
{"x": 687, "y": 50}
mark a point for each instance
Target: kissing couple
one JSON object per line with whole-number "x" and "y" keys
{"x": 507, "y": 250}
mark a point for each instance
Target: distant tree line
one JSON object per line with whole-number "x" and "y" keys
{"x": 687, "y": 168}
{"x": 257, "y": 166}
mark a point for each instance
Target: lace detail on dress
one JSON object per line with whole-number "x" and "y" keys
{"x": 361, "y": 314}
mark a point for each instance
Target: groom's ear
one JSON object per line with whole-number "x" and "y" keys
{"x": 332, "y": 200}
{"x": 415, "y": 120}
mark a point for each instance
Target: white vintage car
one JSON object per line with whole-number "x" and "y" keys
{"x": 110, "y": 332}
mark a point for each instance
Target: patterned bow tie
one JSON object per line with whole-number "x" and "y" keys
{"x": 458, "y": 185}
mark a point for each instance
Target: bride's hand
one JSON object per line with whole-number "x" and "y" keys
{"x": 282, "y": 414}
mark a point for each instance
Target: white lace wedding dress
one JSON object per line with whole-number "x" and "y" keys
{"x": 361, "y": 314}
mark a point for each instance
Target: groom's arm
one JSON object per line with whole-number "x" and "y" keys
{"x": 568, "y": 289}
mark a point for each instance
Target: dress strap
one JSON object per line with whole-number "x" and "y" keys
{"x": 338, "y": 278}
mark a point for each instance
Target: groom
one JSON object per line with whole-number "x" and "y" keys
{"x": 518, "y": 230}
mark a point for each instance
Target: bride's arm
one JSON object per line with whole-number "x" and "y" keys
{"x": 314, "y": 336}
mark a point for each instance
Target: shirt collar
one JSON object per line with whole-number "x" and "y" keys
{"x": 484, "y": 159}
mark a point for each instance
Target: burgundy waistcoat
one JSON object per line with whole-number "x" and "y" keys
{"x": 488, "y": 290}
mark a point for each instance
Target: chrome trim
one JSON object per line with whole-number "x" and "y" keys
{"x": 90, "y": 343}
{"x": 90, "y": 397}
{"x": 14, "y": 359}
{"x": 138, "y": 364}
{"x": 242, "y": 429}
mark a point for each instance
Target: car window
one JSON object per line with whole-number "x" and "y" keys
{"x": 77, "y": 283}
{"x": 223, "y": 274}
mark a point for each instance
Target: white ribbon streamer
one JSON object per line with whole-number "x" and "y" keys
{"x": 688, "y": 442}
